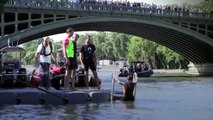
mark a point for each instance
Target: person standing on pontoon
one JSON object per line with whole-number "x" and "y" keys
{"x": 70, "y": 50}
{"x": 88, "y": 59}
{"x": 43, "y": 54}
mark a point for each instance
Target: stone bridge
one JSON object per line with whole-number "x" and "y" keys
{"x": 188, "y": 33}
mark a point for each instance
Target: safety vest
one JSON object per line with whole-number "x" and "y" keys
{"x": 43, "y": 50}
{"x": 70, "y": 49}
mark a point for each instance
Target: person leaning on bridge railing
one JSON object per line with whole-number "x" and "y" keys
{"x": 110, "y": 6}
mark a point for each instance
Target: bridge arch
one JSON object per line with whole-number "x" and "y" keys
{"x": 188, "y": 43}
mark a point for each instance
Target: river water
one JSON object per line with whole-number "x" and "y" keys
{"x": 157, "y": 98}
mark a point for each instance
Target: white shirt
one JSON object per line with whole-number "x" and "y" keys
{"x": 42, "y": 58}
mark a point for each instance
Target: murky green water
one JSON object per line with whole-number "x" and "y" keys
{"x": 164, "y": 98}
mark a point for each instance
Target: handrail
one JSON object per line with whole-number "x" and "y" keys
{"x": 113, "y": 88}
{"x": 108, "y": 8}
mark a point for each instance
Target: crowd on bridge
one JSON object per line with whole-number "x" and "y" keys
{"x": 139, "y": 7}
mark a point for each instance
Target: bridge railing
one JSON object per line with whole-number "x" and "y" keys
{"x": 119, "y": 9}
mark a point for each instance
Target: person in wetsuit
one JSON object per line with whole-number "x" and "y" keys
{"x": 127, "y": 88}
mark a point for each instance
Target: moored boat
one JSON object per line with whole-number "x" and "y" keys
{"x": 146, "y": 73}
{"x": 11, "y": 67}
{"x": 57, "y": 77}
{"x": 140, "y": 67}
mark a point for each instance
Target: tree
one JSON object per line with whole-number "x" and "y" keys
{"x": 141, "y": 49}
{"x": 206, "y": 5}
{"x": 148, "y": 48}
{"x": 29, "y": 54}
{"x": 113, "y": 46}
{"x": 172, "y": 58}
{"x": 135, "y": 49}
{"x": 99, "y": 40}
{"x": 110, "y": 45}
{"x": 119, "y": 44}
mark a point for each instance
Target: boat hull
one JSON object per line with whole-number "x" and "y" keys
{"x": 139, "y": 74}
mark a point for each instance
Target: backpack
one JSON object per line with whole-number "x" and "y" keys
{"x": 43, "y": 50}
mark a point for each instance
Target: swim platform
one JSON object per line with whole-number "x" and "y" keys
{"x": 52, "y": 97}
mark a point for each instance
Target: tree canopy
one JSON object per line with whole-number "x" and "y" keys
{"x": 206, "y": 5}
{"x": 118, "y": 46}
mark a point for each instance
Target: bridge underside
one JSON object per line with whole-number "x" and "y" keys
{"x": 188, "y": 45}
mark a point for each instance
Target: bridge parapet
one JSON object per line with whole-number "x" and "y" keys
{"x": 121, "y": 9}
{"x": 20, "y": 15}
{"x": 51, "y": 11}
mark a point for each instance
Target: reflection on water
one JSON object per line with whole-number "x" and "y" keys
{"x": 169, "y": 98}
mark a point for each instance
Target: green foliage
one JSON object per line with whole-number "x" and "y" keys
{"x": 80, "y": 40}
{"x": 172, "y": 58}
{"x": 29, "y": 58}
{"x": 110, "y": 45}
{"x": 148, "y": 48}
{"x": 206, "y": 5}
{"x": 135, "y": 49}
{"x": 169, "y": 54}
{"x": 140, "y": 49}
{"x": 29, "y": 54}
{"x": 58, "y": 46}
{"x": 99, "y": 40}
{"x": 114, "y": 46}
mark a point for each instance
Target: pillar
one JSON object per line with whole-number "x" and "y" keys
{"x": 2, "y": 25}
{"x": 205, "y": 69}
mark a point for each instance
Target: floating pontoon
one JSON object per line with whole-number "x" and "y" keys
{"x": 53, "y": 97}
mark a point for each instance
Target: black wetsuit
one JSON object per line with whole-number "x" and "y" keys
{"x": 129, "y": 92}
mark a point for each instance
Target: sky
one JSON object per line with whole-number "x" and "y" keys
{"x": 62, "y": 36}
